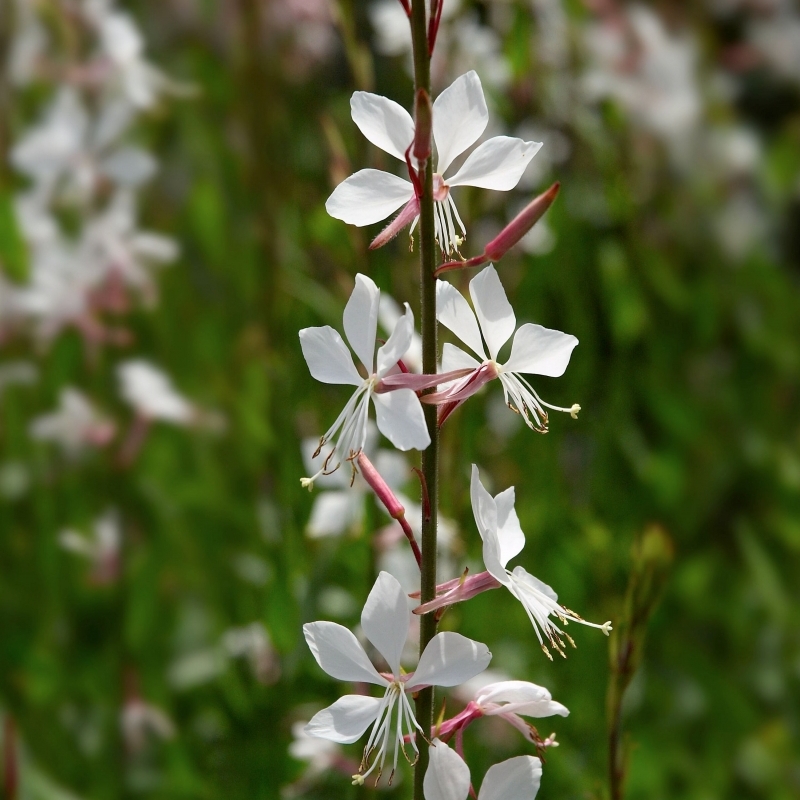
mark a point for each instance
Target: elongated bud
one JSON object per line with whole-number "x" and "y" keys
{"x": 423, "y": 125}
{"x": 380, "y": 487}
{"x": 395, "y": 508}
{"x": 521, "y": 224}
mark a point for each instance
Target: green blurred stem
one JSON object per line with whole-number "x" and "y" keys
{"x": 651, "y": 560}
{"x": 430, "y": 457}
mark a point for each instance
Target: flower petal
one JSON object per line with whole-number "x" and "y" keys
{"x": 541, "y": 351}
{"x": 483, "y": 506}
{"x": 455, "y": 358}
{"x": 453, "y": 311}
{"x": 368, "y": 196}
{"x": 449, "y": 659}
{"x": 522, "y": 574}
{"x": 398, "y": 342}
{"x": 327, "y": 356}
{"x": 400, "y": 419}
{"x": 520, "y": 697}
{"x": 515, "y": 779}
{"x": 385, "y": 123}
{"x": 338, "y": 652}
{"x": 509, "y": 531}
{"x": 492, "y": 560}
{"x": 447, "y": 776}
{"x": 459, "y": 118}
{"x": 361, "y": 320}
{"x": 496, "y": 164}
{"x": 346, "y": 720}
{"x": 494, "y": 312}
{"x": 385, "y": 619}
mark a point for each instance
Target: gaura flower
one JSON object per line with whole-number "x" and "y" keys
{"x": 509, "y": 700}
{"x": 460, "y": 116}
{"x": 535, "y": 349}
{"x": 399, "y": 415}
{"x": 503, "y": 539}
{"x": 448, "y": 660}
{"x": 448, "y": 778}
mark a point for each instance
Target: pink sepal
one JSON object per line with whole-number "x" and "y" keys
{"x": 458, "y": 394}
{"x": 405, "y": 217}
{"x": 409, "y": 380}
{"x": 458, "y": 590}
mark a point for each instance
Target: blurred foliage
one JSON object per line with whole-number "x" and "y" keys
{"x": 687, "y": 372}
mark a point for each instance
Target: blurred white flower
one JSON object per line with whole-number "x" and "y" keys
{"x": 253, "y": 643}
{"x": 649, "y": 71}
{"x": 140, "y": 721}
{"x": 101, "y": 548}
{"x": 76, "y": 424}
{"x": 150, "y": 392}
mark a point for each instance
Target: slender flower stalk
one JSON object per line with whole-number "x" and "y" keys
{"x": 430, "y": 456}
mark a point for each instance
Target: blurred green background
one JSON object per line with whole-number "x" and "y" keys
{"x": 672, "y": 253}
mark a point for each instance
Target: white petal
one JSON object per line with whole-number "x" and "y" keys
{"x": 386, "y": 618}
{"x": 449, "y": 659}
{"x": 455, "y": 358}
{"x": 540, "y": 351}
{"x": 522, "y": 574}
{"x": 327, "y": 356}
{"x": 400, "y": 419}
{"x": 491, "y": 558}
{"x": 398, "y": 342}
{"x": 361, "y": 320}
{"x": 447, "y": 776}
{"x": 483, "y": 506}
{"x": 346, "y": 720}
{"x": 368, "y": 196}
{"x": 459, "y": 118}
{"x": 496, "y": 164}
{"x": 515, "y": 779}
{"x": 509, "y": 531}
{"x": 494, "y": 312}
{"x": 338, "y": 652}
{"x": 520, "y": 697}
{"x": 335, "y": 512}
{"x": 453, "y": 311}
{"x": 385, "y": 123}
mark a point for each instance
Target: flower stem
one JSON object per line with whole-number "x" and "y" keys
{"x": 430, "y": 456}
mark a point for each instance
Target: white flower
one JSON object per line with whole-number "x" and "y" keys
{"x": 151, "y": 393}
{"x": 512, "y": 700}
{"x": 448, "y": 778}
{"x": 459, "y": 118}
{"x": 140, "y": 720}
{"x": 253, "y": 643}
{"x": 399, "y": 415}
{"x": 535, "y": 349}
{"x": 75, "y": 425}
{"x": 503, "y": 539}
{"x": 448, "y": 660}
{"x": 102, "y": 549}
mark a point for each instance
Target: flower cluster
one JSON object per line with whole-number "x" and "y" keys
{"x": 390, "y": 381}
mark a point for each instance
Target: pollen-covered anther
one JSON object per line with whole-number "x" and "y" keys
{"x": 570, "y": 640}
{"x": 546, "y": 651}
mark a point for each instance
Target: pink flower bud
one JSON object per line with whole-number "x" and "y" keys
{"x": 521, "y": 224}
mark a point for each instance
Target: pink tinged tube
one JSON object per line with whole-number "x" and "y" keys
{"x": 510, "y": 235}
{"x": 458, "y": 590}
{"x": 415, "y": 382}
{"x": 405, "y": 217}
{"x": 393, "y": 506}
